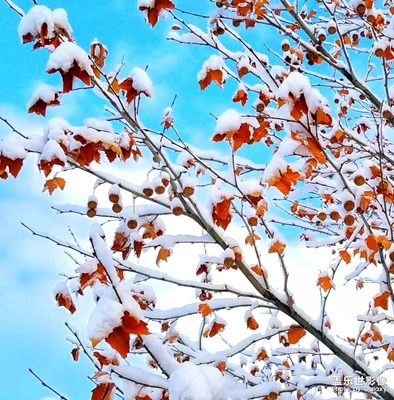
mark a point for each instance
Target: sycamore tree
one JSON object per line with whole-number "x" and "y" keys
{"x": 305, "y": 160}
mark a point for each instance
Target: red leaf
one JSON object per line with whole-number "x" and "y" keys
{"x": 68, "y": 76}
{"x": 277, "y": 247}
{"x": 40, "y": 106}
{"x": 75, "y": 353}
{"x": 55, "y": 183}
{"x": 214, "y": 330}
{"x": 345, "y": 256}
{"x": 105, "y": 360}
{"x": 251, "y": 323}
{"x": 382, "y": 300}
{"x": 241, "y": 96}
{"x": 119, "y": 338}
{"x": 104, "y": 391}
{"x": 299, "y": 108}
{"x": 47, "y": 166}
{"x": 14, "y": 166}
{"x": 221, "y": 212}
{"x": 154, "y": 10}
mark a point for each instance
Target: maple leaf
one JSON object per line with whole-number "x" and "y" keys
{"x": 215, "y": 75}
{"x": 122, "y": 244}
{"x": 204, "y": 309}
{"x": 214, "y": 330}
{"x": 162, "y": 255}
{"x": 127, "y": 85}
{"x": 65, "y": 300}
{"x": 68, "y": 76}
{"x": 372, "y": 242}
{"x": 250, "y": 239}
{"x": 154, "y": 10}
{"x": 262, "y": 354}
{"x": 299, "y": 108}
{"x": 322, "y": 118}
{"x": 251, "y": 323}
{"x": 75, "y": 353}
{"x": 344, "y": 254}
{"x": 104, "y": 359}
{"x": 89, "y": 279}
{"x": 119, "y": 338}
{"x": 240, "y": 96}
{"x": 381, "y": 300}
{"x": 13, "y": 166}
{"x": 40, "y": 105}
{"x": 277, "y": 247}
{"x": 47, "y": 166}
{"x": 283, "y": 181}
{"x": 104, "y": 391}
{"x": 325, "y": 283}
{"x": 241, "y": 136}
{"x": 221, "y": 212}
{"x": 56, "y": 183}
{"x": 295, "y": 333}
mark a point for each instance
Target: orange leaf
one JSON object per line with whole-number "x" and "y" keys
{"x": 262, "y": 355}
{"x": 383, "y": 241}
{"x": 323, "y": 118}
{"x": 215, "y": 329}
{"x": 64, "y": 300}
{"x": 295, "y": 333}
{"x": 250, "y": 239}
{"x": 251, "y": 323}
{"x": 212, "y": 75}
{"x": 119, "y": 338}
{"x": 105, "y": 360}
{"x": 277, "y": 247}
{"x": 162, "y": 255}
{"x": 284, "y": 181}
{"x": 204, "y": 309}
{"x": 241, "y": 96}
{"x": 146, "y": 397}
{"x": 382, "y": 300}
{"x": 47, "y": 166}
{"x": 299, "y": 108}
{"x": 68, "y": 76}
{"x": 345, "y": 256}
{"x": 241, "y": 136}
{"x": 372, "y": 242}
{"x": 154, "y": 10}
{"x": 104, "y": 391}
{"x": 55, "y": 183}
{"x": 325, "y": 283}
{"x": 221, "y": 212}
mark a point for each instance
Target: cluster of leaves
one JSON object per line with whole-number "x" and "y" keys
{"x": 330, "y": 162}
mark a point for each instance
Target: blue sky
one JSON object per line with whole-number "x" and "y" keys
{"x": 32, "y": 334}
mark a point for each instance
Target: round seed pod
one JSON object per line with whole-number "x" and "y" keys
{"x": 147, "y": 188}
{"x": 117, "y": 208}
{"x": 91, "y": 212}
{"x": 359, "y": 180}
{"x": 92, "y": 202}
{"x": 348, "y": 205}
{"x": 349, "y": 220}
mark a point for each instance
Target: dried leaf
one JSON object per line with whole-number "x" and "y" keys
{"x": 215, "y": 75}
{"x": 204, "y": 309}
{"x": 65, "y": 300}
{"x": 325, "y": 283}
{"x": 345, "y": 256}
{"x": 53, "y": 184}
{"x": 162, "y": 255}
{"x": 277, "y": 247}
{"x": 284, "y": 181}
{"x": 154, "y": 10}
{"x": 295, "y": 333}
{"x": 382, "y": 300}
{"x": 221, "y": 212}
{"x": 119, "y": 338}
{"x": 251, "y": 323}
{"x": 104, "y": 391}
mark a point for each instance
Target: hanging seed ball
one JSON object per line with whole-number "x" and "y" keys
{"x": 91, "y": 212}
{"x": 332, "y": 29}
{"x": 114, "y": 194}
{"x": 117, "y": 208}
{"x": 349, "y": 220}
{"x": 177, "y": 207}
{"x": 253, "y": 220}
{"x": 147, "y": 188}
{"x": 236, "y": 23}
{"x": 228, "y": 262}
{"x": 188, "y": 191}
{"x": 391, "y": 256}
{"x": 92, "y": 202}
{"x": 387, "y": 114}
{"x": 348, "y": 205}
{"x": 360, "y": 9}
{"x": 322, "y": 37}
{"x": 334, "y": 215}
{"x": 285, "y": 45}
{"x": 359, "y": 180}
{"x": 160, "y": 189}
{"x": 322, "y": 216}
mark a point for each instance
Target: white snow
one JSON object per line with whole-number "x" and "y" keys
{"x": 141, "y": 81}
{"x": 64, "y": 57}
{"x": 44, "y": 92}
{"x": 213, "y": 63}
{"x": 53, "y": 150}
{"x": 230, "y": 120}
{"x": 12, "y": 148}
{"x": 197, "y": 382}
{"x": 38, "y": 15}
